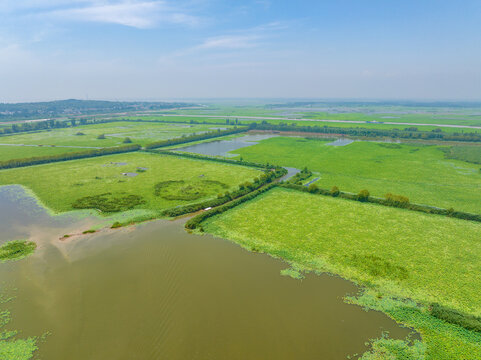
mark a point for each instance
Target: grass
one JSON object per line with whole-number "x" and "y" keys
{"x": 8, "y": 152}
{"x": 114, "y": 133}
{"x": 99, "y": 182}
{"x": 422, "y": 173}
{"x": 398, "y": 253}
{"x": 470, "y": 154}
{"x": 16, "y": 250}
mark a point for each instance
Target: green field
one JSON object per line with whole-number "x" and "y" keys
{"x": 8, "y": 152}
{"x": 115, "y": 133}
{"x": 419, "y": 172}
{"x": 99, "y": 182}
{"x": 398, "y": 253}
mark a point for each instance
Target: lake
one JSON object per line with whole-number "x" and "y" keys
{"x": 154, "y": 291}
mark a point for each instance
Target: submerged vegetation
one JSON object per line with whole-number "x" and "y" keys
{"x": 16, "y": 250}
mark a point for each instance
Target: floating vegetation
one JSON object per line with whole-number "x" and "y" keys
{"x": 293, "y": 273}
{"x": 188, "y": 190}
{"x": 108, "y": 202}
{"x": 16, "y": 250}
{"x": 12, "y": 348}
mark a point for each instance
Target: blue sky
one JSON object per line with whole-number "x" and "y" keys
{"x": 162, "y": 49}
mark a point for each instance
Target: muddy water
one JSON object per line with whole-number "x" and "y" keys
{"x": 156, "y": 292}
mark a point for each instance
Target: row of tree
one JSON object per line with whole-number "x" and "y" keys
{"x": 398, "y": 201}
{"x": 244, "y": 189}
{"x": 195, "y": 137}
{"x": 211, "y": 158}
{"x": 408, "y": 133}
{"x": 195, "y": 222}
{"x": 37, "y": 160}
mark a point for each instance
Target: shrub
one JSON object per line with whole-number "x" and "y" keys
{"x": 101, "y": 137}
{"x": 127, "y": 140}
{"x": 363, "y": 195}
{"x": 396, "y": 200}
{"x": 313, "y": 188}
{"x": 116, "y": 225}
{"x": 334, "y": 191}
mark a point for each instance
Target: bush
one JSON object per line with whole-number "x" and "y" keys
{"x": 313, "y": 188}
{"x": 116, "y": 225}
{"x": 363, "y": 195}
{"x": 127, "y": 140}
{"x": 101, "y": 137}
{"x": 334, "y": 191}
{"x": 396, "y": 200}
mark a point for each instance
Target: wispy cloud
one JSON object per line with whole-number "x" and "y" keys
{"x": 133, "y": 13}
{"x": 229, "y": 42}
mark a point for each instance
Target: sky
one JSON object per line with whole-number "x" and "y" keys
{"x": 165, "y": 49}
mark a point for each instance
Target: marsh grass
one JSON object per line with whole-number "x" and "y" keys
{"x": 16, "y": 250}
{"x": 109, "y": 202}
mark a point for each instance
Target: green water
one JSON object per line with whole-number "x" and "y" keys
{"x": 154, "y": 291}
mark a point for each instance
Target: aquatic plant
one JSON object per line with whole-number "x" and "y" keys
{"x": 16, "y": 250}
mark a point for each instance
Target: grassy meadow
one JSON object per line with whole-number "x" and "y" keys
{"x": 115, "y": 133}
{"x": 422, "y": 173}
{"x": 397, "y": 254}
{"x": 99, "y": 182}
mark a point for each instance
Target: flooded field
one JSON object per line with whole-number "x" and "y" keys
{"x": 222, "y": 147}
{"x": 154, "y": 291}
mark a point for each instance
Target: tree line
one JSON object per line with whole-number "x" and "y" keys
{"x": 194, "y": 137}
{"x": 195, "y": 222}
{"x": 37, "y": 160}
{"x": 244, "y": 189}
{"x": 212, "y": 158}
{"x": 389, "y": 199}
{"x": 407, "y": 133}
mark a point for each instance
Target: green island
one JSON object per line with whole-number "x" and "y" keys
{"x": 397, "y": 212}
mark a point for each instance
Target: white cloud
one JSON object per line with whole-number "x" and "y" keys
{"x": 230, "y": 42}
{"x": 132, "y": 13}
